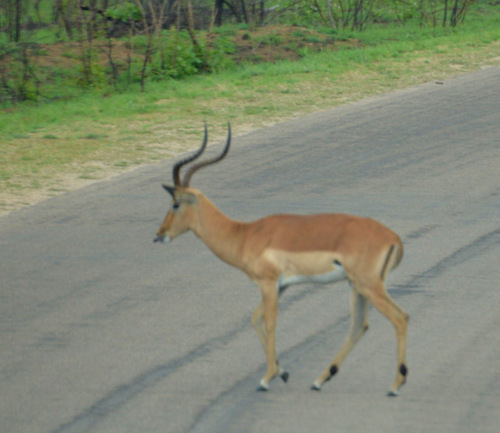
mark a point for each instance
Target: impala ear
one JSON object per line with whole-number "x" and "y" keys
{"x": 185, "y": 197}
{"x": 170, "y": 190}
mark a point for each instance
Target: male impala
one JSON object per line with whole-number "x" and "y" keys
{"x": 281, "y": 250}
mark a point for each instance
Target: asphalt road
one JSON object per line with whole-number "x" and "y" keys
{"x": 103, "y": 331}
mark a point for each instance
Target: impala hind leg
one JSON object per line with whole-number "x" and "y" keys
{"x": 359, "y": 325}
{"x": 399, "y": 318}
{"x": 264, "y": 321}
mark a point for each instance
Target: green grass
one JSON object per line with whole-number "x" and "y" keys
{"x": 95, "y": 134}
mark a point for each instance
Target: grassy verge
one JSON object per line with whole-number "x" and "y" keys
{"x": 59, "y": 146}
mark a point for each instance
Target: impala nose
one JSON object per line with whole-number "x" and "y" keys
{"x": 162, "y": 238}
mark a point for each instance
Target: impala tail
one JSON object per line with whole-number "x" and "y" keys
{"x": 392, "y": 260}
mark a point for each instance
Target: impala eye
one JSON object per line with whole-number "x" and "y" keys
{"x": 175, "y": 206}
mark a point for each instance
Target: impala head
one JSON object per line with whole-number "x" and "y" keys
{"x": 179, "y": 218}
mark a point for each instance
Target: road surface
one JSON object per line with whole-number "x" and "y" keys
{"x": 103, "y": 331}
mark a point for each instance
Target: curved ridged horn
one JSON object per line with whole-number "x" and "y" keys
{"x": 202, "y": 164}
{"x": 177, "y": 167}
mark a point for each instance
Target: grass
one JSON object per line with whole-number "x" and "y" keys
{"x": 57, "y": 146}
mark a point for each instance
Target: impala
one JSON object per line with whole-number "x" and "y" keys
{"x": 280, "y": 250}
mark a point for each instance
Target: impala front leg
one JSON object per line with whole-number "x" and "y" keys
{"x": 264, "y": 321}
{"x": 258, "y": 324}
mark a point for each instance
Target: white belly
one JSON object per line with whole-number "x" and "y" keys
{"x": 337, "y": 274}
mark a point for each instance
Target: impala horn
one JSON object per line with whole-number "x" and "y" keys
{"x": 196, "y": 167}
{"x": 177, "y": 167}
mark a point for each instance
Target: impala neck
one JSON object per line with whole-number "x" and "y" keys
{"x": 223, "y": 235}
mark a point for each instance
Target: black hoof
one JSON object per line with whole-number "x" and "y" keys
{"x": 285, "y": 376}
{"x": 392, "y": 394}
{"x": 315, "y": 388}
{"x": 261, "y": 388}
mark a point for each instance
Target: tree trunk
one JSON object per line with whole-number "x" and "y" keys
{"x": 219, "y": 5}
{"x": 17, "y": 24}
